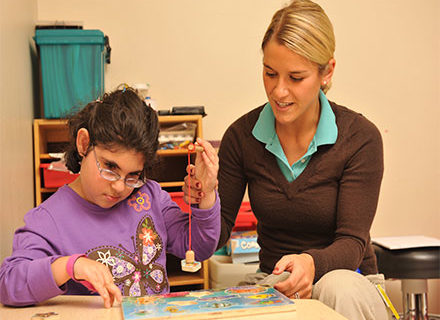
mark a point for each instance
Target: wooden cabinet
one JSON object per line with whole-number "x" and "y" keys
{"x": 51, "y": 136}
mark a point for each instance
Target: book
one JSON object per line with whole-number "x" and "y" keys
{"x": 208, "y": 304}
{"x": 243, "y": 247}
{"x": 406, "y": 242}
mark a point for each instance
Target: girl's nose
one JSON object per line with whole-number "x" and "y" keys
{"x": 118, "y": 185}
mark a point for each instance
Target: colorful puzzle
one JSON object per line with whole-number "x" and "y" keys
{"x": 207, "y": 304}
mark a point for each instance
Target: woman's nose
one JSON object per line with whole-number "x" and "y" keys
{"x": 280, "y": 90}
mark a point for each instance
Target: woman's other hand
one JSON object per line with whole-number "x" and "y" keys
{"x": 302, "y": 273}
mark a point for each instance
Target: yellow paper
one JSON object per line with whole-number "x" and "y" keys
{"x": 387, "y": 301}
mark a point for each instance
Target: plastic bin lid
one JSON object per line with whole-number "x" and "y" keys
{"x": 68, "y": 36}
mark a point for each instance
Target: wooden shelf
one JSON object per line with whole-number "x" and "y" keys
{"x": 171, "y": 184}
{"x": 178, "y": 277}
{"x": 51, "y": 136}
{"x": 172, "y": 152}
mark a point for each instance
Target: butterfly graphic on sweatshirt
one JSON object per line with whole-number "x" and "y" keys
{"x": 135, "y": 272}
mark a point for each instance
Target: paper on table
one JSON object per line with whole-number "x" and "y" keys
{"x": 405, "y": 242}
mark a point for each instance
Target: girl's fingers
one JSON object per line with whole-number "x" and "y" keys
{"x": 210, "y": 160}
{"x": 115, "y": 293}
{"x": 195, "y": 184}
{"x": 102, "y": 291}
{"x": 191, "y": 170}
{"x": 100, "y": 278}
{"x": 108, "y": 288}
{"x": 196, "y": 193}
{"x": 209, "y": 150}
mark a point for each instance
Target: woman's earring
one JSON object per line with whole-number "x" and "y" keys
{"x": 324, "y": 83}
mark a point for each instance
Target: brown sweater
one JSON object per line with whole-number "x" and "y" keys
{"x": 326, "y": 212}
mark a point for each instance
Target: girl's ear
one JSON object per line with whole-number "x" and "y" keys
{"x": 328, "y": 71}
{"x": 82, "y": 141}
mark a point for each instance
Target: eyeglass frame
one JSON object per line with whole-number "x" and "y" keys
{"x": 139, "y": 183}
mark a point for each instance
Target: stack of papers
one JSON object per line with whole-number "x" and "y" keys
{"x": 406, "y": 242}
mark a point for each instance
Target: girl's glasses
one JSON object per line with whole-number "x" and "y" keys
{"x": 130, "y": 181}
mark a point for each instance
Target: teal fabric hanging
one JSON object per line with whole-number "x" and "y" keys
{"x": 72, "y": 68}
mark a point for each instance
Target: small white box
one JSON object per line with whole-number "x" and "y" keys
{"x": 223, "y": 273}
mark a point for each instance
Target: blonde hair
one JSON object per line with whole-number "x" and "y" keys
{"x": 304, "y": 28}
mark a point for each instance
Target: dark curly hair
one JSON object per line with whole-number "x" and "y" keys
{"x": 120, "y": 118}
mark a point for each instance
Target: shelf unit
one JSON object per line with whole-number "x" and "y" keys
{"x": 51, "y": 136}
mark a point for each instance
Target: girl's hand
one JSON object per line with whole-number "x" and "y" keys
{"x": 196, "y": 186}
{"x": 99, "y": 277}
{"x": 302, "y": 273}
{"x": 205, "y": 172}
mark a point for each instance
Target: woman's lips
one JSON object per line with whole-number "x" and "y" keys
{"x": 283, "y": 105}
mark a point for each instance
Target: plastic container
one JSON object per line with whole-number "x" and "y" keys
{"x": 245, "y": 219}
{"x": 177, "y": 197}
{"x": 224, "y": 274}
{"x": 56, "y": 178}
{"x": 151, "y": 103}
{"x": 72, "y": 68}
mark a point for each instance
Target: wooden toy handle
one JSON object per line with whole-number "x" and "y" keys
{"x": 195, "y": 148}
{"x": 189, "y": 256}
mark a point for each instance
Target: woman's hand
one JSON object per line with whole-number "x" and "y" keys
{"x": 99, "y": 276}
{"x": 203, "y": 176}
{"x": 302, "y": 273}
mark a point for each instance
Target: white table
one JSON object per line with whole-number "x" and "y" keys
{"x": 91, "y": 308}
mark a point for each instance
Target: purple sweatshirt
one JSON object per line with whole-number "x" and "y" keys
{"x": 131, "y": 238}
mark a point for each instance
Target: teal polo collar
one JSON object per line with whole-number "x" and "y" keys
{"x": 326, "y": 132}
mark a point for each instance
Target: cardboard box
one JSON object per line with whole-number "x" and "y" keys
{"x": 223, "y": 273}
{"x": 243, "y": 247}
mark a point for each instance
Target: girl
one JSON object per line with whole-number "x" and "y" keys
{"x": 110, "y": 229}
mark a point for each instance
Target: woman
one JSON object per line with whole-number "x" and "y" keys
{"x": 313, "y": 171}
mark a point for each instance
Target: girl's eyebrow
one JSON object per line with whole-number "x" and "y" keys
{"x": 115, "y": 165}
{"x": 291, "y": 72}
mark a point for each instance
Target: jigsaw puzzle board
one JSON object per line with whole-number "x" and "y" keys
{"x": 208, "y": 304}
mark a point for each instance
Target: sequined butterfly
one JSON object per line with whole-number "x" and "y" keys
{"x": 135, "y": 272}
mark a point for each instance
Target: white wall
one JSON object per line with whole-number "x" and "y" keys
{"x": 17, "y": 19}
{"x": 205, "y": 52}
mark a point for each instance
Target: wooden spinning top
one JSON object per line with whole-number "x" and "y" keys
{"x": 189, "y": 264}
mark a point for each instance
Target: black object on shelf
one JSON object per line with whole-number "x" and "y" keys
{"x": 164, "y": 112}
{"x": 188, "y": 110}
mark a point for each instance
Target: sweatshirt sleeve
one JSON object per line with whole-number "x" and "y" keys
{"x": 205, "y": 228}
{"x": 26, "y": 277}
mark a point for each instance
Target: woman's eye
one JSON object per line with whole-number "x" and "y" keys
{"x": 270, "y": 74}
{"x": 296, "y": 79}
